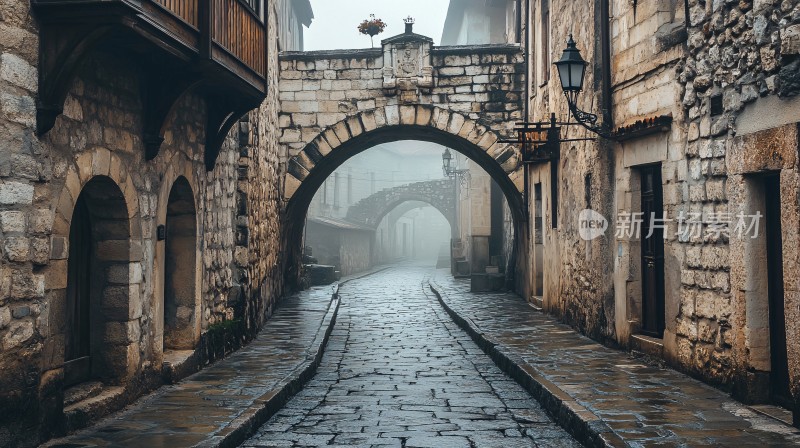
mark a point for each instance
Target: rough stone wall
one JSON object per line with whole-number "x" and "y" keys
{"x": 577, "y": 273}
{"x": 738, "y": 57}
{"x": 25, "y": 225}
{"x": 355, "y": 252}
{"x": 260, "y": 218}
{"x": 219, "y": 242}
{"x": 741, "y": 54}
{"x": 348, "y": 249}
{"x": 40, "y": 180}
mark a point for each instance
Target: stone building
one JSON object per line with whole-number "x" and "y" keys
{"x": 139, "y": 199}
{"x": 337, "y": 242}
{"x": 701, "y": 100}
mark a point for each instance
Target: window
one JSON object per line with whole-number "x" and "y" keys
{"x": 544, "y": 42}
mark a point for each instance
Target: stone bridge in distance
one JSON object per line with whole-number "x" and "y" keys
{"x": 437, "y": 193}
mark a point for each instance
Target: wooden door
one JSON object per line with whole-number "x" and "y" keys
{"x": 652, "y": 253}
{"x": 779, "y": 373}
{"x": 77, "y": 351}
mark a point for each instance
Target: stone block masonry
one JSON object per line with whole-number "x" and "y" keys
{"x": 322, "y": 89}
{"x": 92, "y": 164}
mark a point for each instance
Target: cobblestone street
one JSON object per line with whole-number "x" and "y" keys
{"x": 398, "y": 372}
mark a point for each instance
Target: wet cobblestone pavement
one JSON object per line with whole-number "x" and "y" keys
{"x": 202, "y": 406}
{"x": 644, "y": 405}
{"x": 398, "y": 372}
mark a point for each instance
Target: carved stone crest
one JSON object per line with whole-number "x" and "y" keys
{"x": 407, "y": 67}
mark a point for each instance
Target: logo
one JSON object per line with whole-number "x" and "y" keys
{"x": 591, "y": 224}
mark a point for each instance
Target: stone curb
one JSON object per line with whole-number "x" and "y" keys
{"x": 263, "y": 408}
{"x": 246, "y": 424}
{"x": 579, "y": 421}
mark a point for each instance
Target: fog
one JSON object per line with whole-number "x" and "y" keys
{"x": 393, "y": 228}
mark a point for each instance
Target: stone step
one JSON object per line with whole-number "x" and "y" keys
{"x": 82, "y": 392}
{"x": 104, "y": 401}
{"x": 178, "y": 364}
{"x": 487, "y": 282}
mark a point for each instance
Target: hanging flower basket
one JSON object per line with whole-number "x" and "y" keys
{"x": 372, "y": 27}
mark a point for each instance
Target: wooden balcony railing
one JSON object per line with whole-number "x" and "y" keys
{"x": 217, "y": 48}
{"x": 239, "y": 30}
{"x": 187, "y": 10}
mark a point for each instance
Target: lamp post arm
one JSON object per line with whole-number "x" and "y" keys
{"x": 588, "y": 120}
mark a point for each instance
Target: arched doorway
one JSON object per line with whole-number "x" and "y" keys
{"x": 96, "y": 322}
{"x": 180, "y": 272}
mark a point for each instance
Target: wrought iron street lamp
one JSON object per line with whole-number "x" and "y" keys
{"x": 540, "y": 141}
{"x": 571, "y": 69}
{"x": 571, "y": 72}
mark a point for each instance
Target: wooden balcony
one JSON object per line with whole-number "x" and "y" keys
{"x": 217, "y": 48}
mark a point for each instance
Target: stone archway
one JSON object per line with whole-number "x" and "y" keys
{"x": 180, "y": 182}
{"x": 328, "y": 150}
{"x": 331, "y": 147}
{"x": 108, "y": 197}
{"x": 335, "y": 104}
{"x": 438, "y": 194}
{"x": 98, "y": 324}
{"x": 388, "y": 220}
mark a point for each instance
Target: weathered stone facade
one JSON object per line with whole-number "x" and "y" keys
{"x": 740, "y": 97}
{"x": 703, "y": 98}
{"x": 94, "y": 155}
{"x": 347, "y": 247}
{"x": 569, "y": 277}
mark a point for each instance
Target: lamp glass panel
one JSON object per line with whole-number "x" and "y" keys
{"x": 563, "y": 74}
{"x": 577, "y": 73}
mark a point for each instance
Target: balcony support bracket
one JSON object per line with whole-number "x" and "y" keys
{"x": 63, "y": 48}
{"x": 160, "y": 96}
{"x": 222, "y": 115}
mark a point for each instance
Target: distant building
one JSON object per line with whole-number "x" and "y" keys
{"x": 293, "y": 15}
{"x": 471, "y": 22}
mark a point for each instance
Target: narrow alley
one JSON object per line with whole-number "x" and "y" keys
{"x": 431, "y": 224}
{"x": 398, "y": 372}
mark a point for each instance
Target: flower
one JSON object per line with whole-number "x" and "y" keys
{"x": 372, "y": 26}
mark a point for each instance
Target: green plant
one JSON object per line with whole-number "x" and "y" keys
{"x": 372, "y": 27}
{"x": 225, "y": 325}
